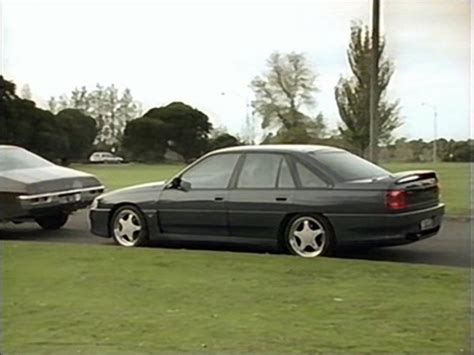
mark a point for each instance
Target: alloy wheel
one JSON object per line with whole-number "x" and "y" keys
{"x": 127, "y": 227}
{"x": 307, "y": 237}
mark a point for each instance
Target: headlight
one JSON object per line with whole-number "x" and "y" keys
{"x": 95, "y": 204}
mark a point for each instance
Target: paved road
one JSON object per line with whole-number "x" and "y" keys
{"x": 452, "y": 247}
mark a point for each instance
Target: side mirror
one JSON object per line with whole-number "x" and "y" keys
{"x": 180, "y": 184}
{"x": 185, "y": 185}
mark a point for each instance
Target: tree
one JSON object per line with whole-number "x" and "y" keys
{"x": 110, "y": 108}
{"x": 177, "y": 126}
{"x": 144, "y": 140}
{"x": 7, "y": 97}
{"x": 26, "y": 92}
{"x": 187, "y": 129}
{"x": 81, "y": 132}
{"x": 24, "y": 124}
{"x": 353, "y": 94}
{"x": 223, "y": 140}
{"x": 65, "y": 136}
{"x": 53, "y": 105}
{"x": 284, "y": 93}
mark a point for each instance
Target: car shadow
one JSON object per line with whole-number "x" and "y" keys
{"x": 403, "y": 254}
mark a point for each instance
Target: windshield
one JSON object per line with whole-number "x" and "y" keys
{"x": 349, "y": 167}
{"x": 18, "y": 158}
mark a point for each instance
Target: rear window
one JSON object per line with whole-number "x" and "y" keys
{"x": 17, "y": 158}
{"x": 349, "y": 167}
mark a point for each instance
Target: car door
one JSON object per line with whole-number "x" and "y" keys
{"x": 261, "y": 195}
{"x": 201, "y": 210}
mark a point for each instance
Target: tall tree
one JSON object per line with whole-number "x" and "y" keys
{"x": 353, "y": 94}
{"x": 285, "y": 92}
{"x": 25, "y": 92}
{"x": 110, "y": 108}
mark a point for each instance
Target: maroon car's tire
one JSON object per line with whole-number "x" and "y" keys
{"x": 52, "y": 222}
{"x": 128, "y": 227}
{"x": 308, "y": 236}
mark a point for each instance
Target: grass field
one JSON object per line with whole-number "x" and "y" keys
{"x": 454, "y": 178}
{"x": 64, "y": 299}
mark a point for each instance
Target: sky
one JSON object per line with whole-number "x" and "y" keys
{"x": 205, "y": 53}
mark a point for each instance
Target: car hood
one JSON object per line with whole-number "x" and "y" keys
{"x": 134, "y": 194}
{"x": 45, "y": 179}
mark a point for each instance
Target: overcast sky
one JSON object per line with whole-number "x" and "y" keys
{"x": 193, "y": 51}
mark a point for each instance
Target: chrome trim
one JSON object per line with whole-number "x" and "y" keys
{"x": 59, "y": 193}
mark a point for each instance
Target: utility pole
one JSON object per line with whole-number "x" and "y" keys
{"x": 374, "y": 75}
{"x": 248, "y": 128}
{"x": 435, "y": 129}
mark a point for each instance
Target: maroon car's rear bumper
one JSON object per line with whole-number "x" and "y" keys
{"x": 386, "y": 229}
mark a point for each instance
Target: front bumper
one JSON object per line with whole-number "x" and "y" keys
{"x": 385, "y": 229}
{"x": 99, "y": 222}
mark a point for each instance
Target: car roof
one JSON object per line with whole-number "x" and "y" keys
{"x": 4, "y": 146}
{"x": 280, "y": 148}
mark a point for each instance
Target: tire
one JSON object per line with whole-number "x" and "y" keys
{"x": 128, "y": 227}
{"x": 308, "y": 236}
{"x": 52, "y": 222}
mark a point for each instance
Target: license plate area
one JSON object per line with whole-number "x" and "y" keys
{"x": 427, "y": 223}
{"x": 70, "y": 198}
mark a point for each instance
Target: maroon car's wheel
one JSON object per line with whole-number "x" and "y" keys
{"x": 308, "y": 236}
{"x": 128, "y": 227}
{"x": 52, "y": 222}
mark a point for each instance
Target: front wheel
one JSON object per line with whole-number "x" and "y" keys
{"x": 52, "y": 222}
{"x": 128, "y": 227}
{"x": 308, "y": 236}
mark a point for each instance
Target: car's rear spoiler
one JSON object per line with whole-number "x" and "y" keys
{"x": 415, "y": 175}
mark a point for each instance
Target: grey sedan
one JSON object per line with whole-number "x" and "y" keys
{"x": 32, "y": 188}
{"x": 308, "y": 199}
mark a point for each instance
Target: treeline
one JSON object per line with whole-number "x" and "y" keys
{"x": 418, "y": 150}
{"x": 72, "y": 134}
{"x": 67, "y": 135}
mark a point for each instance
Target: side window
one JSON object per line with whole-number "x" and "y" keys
{"x": 308, "y": 178}
{"x": 212, "y": 173}
{"x": 259, "y": 171}
{"x": 285, "y": 180}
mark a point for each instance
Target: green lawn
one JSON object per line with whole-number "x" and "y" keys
{"x": 64, "y": 299}
{"x": 117, "y": 176}
{"x": 454, "y": 178}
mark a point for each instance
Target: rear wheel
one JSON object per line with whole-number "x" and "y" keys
{"x": 308, "y": 236}
{"x": 128, "y": 227}
{"x": 52, "y": 222}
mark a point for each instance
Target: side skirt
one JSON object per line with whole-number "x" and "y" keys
{"x": 211, "y": 239}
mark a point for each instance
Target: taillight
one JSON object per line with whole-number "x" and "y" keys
{"x": 396, "y": 199}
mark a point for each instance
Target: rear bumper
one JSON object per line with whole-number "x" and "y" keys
{"x": 386, "y": 229}
{"x": 68, "y": 200}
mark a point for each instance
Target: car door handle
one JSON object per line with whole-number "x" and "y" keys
{"x": 281, "y": 199}
{"x": 218, "y": 198}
